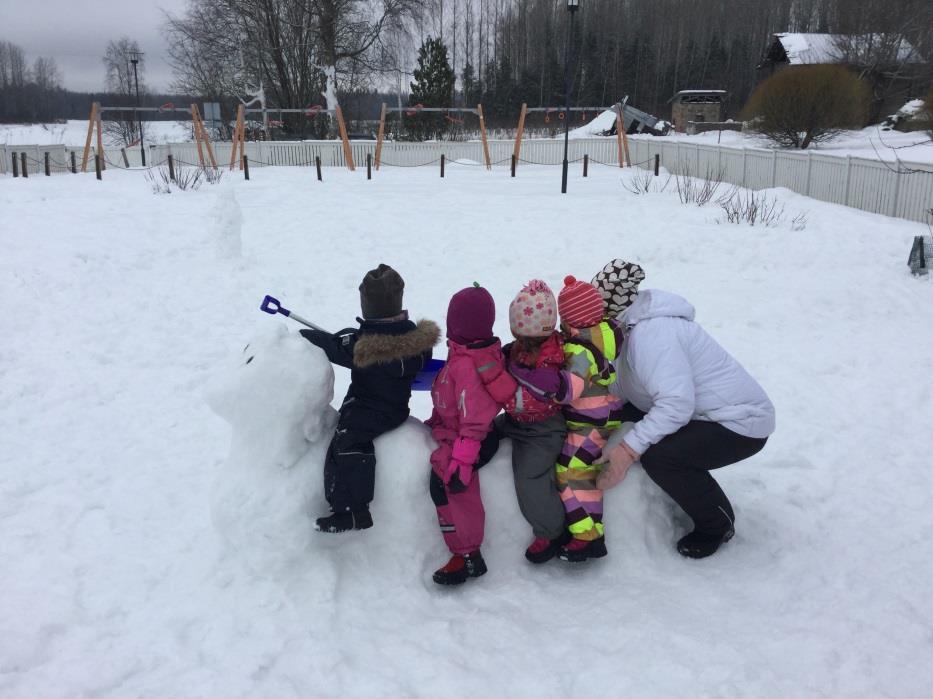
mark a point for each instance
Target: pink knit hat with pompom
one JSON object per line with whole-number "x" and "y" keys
{"x": 533, "y": 312}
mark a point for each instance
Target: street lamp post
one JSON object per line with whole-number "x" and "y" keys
{"x": 572, "y": 7}
{"x": 142, "y": 147}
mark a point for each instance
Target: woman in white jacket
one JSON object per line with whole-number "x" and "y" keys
{"x": 694, "y": 407}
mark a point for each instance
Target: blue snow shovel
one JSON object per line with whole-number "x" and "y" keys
{"x": 422, "y": 381}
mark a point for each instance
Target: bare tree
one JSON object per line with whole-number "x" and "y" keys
{"x": 120, "y": 81}
{"x": 45, "y": 73}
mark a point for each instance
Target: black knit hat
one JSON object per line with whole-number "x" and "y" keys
{"x": 381, "y": 293}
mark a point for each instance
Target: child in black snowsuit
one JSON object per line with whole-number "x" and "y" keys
{"x": 384, "y": 356}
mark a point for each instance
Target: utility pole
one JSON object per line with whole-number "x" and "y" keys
{"x": 134, "y": 59}
{"x": 572, "y": 7}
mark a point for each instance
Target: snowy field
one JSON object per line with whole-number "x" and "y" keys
{"x": 144, "y": 556}
{"x": 74, "y": 133}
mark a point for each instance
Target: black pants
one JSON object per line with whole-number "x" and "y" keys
{"x": 680, "y": 464}
{"x": 350, "y": 464}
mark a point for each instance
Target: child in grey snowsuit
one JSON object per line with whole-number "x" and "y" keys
{"x": 532, "y": 420}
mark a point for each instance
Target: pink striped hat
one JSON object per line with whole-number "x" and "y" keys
{"x": 580, "y": 304}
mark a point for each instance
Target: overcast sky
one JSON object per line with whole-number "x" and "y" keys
{"x": 75, "y": 33}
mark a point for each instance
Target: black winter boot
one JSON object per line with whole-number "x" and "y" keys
{"x": 578, "y": 550}
{"x": 460, "y": 568}
{"x": 543, "y": 550}
{"x": 699, "y": 545}
{"x": 344, "y": 522}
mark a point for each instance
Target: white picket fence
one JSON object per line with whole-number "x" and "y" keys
{"x": 904, "y": 190}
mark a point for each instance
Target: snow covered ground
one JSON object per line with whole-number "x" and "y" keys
{"x": 74, "y": 132}
{"x": 871, "y": 142}
{"x": 151, "y": 551}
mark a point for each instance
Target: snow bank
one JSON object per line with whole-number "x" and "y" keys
{"x": 152, "y": 548}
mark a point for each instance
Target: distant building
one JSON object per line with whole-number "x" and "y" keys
{"x": 892, "y": 64}
{"x": 696, "y": 106}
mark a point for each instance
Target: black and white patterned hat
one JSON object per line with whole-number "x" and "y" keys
{"x": 618, "y": 283}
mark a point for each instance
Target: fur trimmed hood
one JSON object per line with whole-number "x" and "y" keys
{"x": 377, "y": 348}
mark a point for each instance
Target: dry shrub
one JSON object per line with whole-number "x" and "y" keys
{"x": 808, "y": 104}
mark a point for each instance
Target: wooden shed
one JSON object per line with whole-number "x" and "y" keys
{"x": 696, "y": 105}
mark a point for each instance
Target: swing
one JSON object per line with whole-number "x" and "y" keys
{"x": 313, "y": 110}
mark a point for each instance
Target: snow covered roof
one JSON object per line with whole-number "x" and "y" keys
{"x": 808, "y": 49}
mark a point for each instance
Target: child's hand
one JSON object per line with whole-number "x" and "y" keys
{"x": 459, "y": 470}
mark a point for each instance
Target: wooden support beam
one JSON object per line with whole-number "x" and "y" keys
{"x": 91, "y": 121}
{"x": 100, "y": 141}
{"x": 620, "y": 129}
{"x": 518, "y": 137}
{"x": 195, "y": 118}
{"x": 482, "y": 130}
{"x": 382, "y": 128}
{"x": 347, "y": 153}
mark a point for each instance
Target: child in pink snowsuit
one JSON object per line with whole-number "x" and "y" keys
{"x": 467, "y": 393}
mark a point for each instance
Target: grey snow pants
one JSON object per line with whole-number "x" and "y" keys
{"x": 535, "y": 447}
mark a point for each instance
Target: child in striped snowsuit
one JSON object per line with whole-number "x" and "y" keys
{"x": 591, "y": 344}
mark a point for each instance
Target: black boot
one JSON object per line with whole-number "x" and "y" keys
{"x": 543, "y": 550}
{"x": 344, "y": 522}
{"x": 578, "y": 550}
{"x": 700, "y": 545}
{"x": 460, "y": 568}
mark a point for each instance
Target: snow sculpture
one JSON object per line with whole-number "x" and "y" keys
{"x": 276, "y": 397}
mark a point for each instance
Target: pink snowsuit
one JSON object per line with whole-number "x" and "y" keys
{"x": 467, "y": 393}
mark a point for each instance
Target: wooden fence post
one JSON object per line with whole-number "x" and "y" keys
{"x": 126, "y": 160}
{"x": 48, "y": 169}
{"x": 586, "y": 164}
{"x": 74, "y": 165}
{"x": 657, "y": 163}
{"x": 442, "y": 164}
{"x": 245, "y": 168}
{"x": 514, "y": 160}
{"x": 15, "y": 165}
{"x": 22, "y": 162}
{"x": 171, "y": 167}
{"x": 97, "y": 165}
{"x": 369, "y": 166}
{"x": 317, "y": 164}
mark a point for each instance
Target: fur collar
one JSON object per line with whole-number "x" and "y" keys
{"x": 373, "y": 348}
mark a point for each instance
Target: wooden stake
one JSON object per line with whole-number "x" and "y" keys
{"x": 48, "y": 169}
{"x": 91, "y": 120}
{"x": 620, "y": 129}
{"x": 482, "y": 130}
{"x": 126, "y": 160}
{"x": 74, "y": 167}
{"x": 382, "y": 128}
{"x": 518, "y": 137}
{"x": 347, "y": 153}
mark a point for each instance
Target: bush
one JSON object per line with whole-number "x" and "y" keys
{"x": 808, "y": 104}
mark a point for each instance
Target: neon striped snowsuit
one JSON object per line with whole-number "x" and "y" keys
{"x": 592, "y": 414}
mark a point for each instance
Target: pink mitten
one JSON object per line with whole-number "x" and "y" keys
{"x": 620, "y": 459}
{"x": 464, "y": 454}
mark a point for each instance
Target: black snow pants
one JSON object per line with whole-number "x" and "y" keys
{"x": 350, "y": 464}
{"x": 680, "y": 465}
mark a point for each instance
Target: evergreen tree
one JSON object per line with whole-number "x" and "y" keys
{"x": 433, "y": 87}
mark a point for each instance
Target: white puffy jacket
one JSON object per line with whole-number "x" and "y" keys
{"x": 671, "y": 369}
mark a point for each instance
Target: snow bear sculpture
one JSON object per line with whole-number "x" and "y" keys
{"x": 276, "y": 396}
